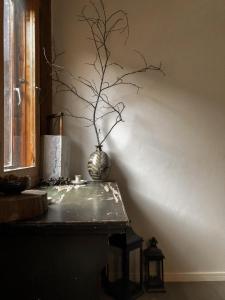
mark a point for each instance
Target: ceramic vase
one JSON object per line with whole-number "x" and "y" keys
{"x": 99, "y": 165}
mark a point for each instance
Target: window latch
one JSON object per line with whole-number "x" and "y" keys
{"x": 38, "y": 91}
{"x": 17, "y": 90}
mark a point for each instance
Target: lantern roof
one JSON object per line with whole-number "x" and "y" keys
{"x": 153, "y": 252}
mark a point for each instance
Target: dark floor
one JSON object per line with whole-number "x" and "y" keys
{"x": 188, "y": 291}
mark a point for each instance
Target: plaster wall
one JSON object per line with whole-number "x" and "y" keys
{"x": 169, "y": 154}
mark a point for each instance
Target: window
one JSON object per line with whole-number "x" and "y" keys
{"x": 19, "y": 84}
{"x": 25, "y": 28}
{"x": 20, "y": 70}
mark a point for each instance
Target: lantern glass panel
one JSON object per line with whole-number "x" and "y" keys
{"x": 153, "y": 269}
{"x": 155, "y": 273}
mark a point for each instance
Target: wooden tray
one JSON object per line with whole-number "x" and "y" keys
{"x": 27, "y": 205}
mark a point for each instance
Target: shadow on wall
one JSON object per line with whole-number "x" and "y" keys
{"x": 141, "y": 221}
{"x": 149, "y": 217}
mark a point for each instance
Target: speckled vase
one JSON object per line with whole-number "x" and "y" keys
{"x": 99, "y": 165}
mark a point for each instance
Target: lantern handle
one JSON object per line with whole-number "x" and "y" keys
{"x": 153, "y": 242}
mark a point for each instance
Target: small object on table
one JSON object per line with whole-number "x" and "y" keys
{"x": 78, "y": 180}
{"x": 153, "y": 264}
{"x": 82, "y": 182}
{"x": 11, "y": 184}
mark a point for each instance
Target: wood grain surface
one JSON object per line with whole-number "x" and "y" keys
{"x": 29, "y": 204}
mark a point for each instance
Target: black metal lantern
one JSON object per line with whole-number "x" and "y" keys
{"x": 153, "y": 264}
{"x": 124, "y": 288}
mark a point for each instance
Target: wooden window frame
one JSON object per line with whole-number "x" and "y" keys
{"x": 43, "y": 79}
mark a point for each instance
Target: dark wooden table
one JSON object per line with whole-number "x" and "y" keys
{"x": 61, "y": 254}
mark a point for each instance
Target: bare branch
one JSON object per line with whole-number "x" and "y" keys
{"x": 121, "y": 29}
{"x": 118, "y": 120}
{"x": 102, "y": 26}
{"x": 94, "y": 66}
{"x": 116, "y": 64}
{"x": 71, "y": 89}
{"x": 77, "y": 117}
{"x": 104, "y": 115}
{"x": 120, "y": 81}
{"x": 142, "y": 56}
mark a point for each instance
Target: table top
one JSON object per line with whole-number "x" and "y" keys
{"x": 92, "y": 207}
